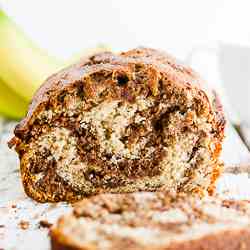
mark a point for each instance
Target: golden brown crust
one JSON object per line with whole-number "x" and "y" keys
{"x": 160, "y": 69}
{"x": 59, "y": 243}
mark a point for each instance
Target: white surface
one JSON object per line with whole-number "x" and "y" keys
{"x": 234, "y": 151}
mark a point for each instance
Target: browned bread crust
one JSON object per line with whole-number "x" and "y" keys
{"x": 155, "y": 221}
{"x": 116, "y": 123}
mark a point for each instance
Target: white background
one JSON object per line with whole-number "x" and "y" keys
{"x": 64, "y": 27}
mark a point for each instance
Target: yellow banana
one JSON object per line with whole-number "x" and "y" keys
{"x": 11, "y": 105}
{"x": 23, "y": 66}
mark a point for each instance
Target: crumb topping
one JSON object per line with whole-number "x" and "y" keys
{"x": 149, "y": 218}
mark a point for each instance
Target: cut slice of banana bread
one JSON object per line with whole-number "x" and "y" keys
{"x": 120, "y": 123}
{"x": 154, "y": 221}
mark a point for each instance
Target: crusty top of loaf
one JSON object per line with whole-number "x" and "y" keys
{"x": 160, "y": 63}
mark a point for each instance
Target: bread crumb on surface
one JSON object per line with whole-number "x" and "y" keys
{"x": 24, "y": 224}
{"x": 44, "y": 224}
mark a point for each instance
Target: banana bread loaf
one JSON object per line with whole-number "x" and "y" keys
{"x": 120, "y": 123}
{"x": 154, "y": 221}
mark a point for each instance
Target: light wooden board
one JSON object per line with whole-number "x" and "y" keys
{"x": 11, "y": 195}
